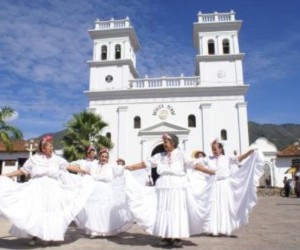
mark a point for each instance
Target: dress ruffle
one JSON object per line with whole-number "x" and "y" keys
{"x": 106, "y": 212}
{"x": 234, "y": 197}
{"x": 171, "y": 209}
{"x": 43, "y": 206}
{"x": 180, "y": 206}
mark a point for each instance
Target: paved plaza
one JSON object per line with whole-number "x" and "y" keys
{"x": 274, "y": 224}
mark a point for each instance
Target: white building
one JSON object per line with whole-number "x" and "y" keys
{"x": 278, "y": 164}
{"x": 270, "y": 169}
{"x": 199, "y": 108}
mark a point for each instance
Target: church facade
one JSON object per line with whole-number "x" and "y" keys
{"x": 210, "y": 104}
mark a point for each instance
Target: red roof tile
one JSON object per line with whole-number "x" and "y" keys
{"x": 290, "y": 151}
{"x": 18, "y": 146}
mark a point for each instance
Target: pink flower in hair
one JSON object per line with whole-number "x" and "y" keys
{"x": 90, "y": 148}
{"x": 47, "y": 138}
{"x": 166, "y": 136}
{"x": 103, "y": 150}
{"x": 215, "y": 141}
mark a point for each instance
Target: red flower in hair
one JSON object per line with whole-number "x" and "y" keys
{"x": 47, "y": 138}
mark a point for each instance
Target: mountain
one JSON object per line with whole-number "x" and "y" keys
{"x": 57, "y": 138}
{"x": 281, "y": 135}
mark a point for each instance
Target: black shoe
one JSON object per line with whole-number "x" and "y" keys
{"x": 177, "y": 243}
{"x": 165, "y": 242}
{"x": 32, "y": 241}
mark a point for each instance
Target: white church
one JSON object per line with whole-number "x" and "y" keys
{"x": 210, "y": 104}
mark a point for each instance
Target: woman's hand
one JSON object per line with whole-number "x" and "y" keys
{"x": 205, "y": 170}
{"x": 128, "y": 168}
{"x": 244, "y": 156}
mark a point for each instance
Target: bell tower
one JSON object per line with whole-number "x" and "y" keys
{"x": 115, "y": 45}
{"x": 219, "y": 61}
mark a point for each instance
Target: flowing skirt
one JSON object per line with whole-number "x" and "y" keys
{"x": 106, "y": 212}
{"x": 170, "y": 209}
{"x": 234, "y": 197}
{"x": 42, "y": 207}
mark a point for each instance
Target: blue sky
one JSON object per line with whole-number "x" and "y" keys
{"x": 44, "y": 47}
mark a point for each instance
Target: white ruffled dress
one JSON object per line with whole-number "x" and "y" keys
{"x": 106, "y": 212}
{"x": 44, "y": 206}
{"x": 85, "y": 164}
{"x": 170, "y": 209}
{"x": 233, "y": 193}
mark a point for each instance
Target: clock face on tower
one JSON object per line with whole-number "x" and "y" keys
{"x": 221, "y": 74}
{"x": 109, "y": 78}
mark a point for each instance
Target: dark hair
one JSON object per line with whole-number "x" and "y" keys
{"x": 174, "y": 139}
{"x": 46, "y": 139}
{"x": 200, "y": 153}
{"x": 220, "y": 146}
{"x": 121, "y": 161}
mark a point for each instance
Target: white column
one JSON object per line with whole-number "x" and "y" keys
{"x": 96, "y": 56}
{"x": 111, "y": 51}
{"x": 200, "y": 45}
{"x": 239, "y": 72}
{"x": 243, "y": 134}
{"x": 217, "y": 47}
{"x": 122, "y": 132}
{"x": 143, "y": 150}
{"x": 236, "y": 44}
{"x": 231, "y": 45}
{"x": 206, "y": 126}
{"x": 273, "y": 174}
{"x": 124, "y": 50}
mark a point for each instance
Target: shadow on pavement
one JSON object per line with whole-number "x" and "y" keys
{"x": 9, "y": 242}
{"x": 138, "y": 239}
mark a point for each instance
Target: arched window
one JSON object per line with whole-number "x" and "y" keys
{"x": 226, "y": 49}
{"x": 108, "y": 135}
{"x": 137, "y": 122}
{"x": 223, "y": 135}
{"x": 191, "y": 121}
{"x": 211, "y": 47}
{"x": 103, "y": 52}
{"x": 118, "y": 51}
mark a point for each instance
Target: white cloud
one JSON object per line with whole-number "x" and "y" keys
{"x": 44, "y": 47}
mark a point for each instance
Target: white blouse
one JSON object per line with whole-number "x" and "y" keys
{"x": 173, "y": 163}
{"x": 39, "y": 165}
{"x": 106, "y": 172}
{"x": 85, "y": 164}
{"x": 223, "y": 165}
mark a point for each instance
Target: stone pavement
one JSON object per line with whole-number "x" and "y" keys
{"x": 274, "y": 224}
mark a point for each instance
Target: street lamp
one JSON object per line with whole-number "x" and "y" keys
{"x": 31, "y": 146}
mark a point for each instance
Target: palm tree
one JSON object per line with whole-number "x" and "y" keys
{"x": 84, "y": 129}
{"x": 7, "y": 132}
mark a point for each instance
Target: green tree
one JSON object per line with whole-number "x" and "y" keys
{"x": 82, "y": 130}
{"x": 8, "y": 133}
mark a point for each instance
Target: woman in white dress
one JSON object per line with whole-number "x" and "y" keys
{"x": 170, "y": 209}
{"x": 105, "y": 212}
{"x": 234, "y": 190}
{"x": 89, "y": 161}
{"x": 43, "y": 207}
